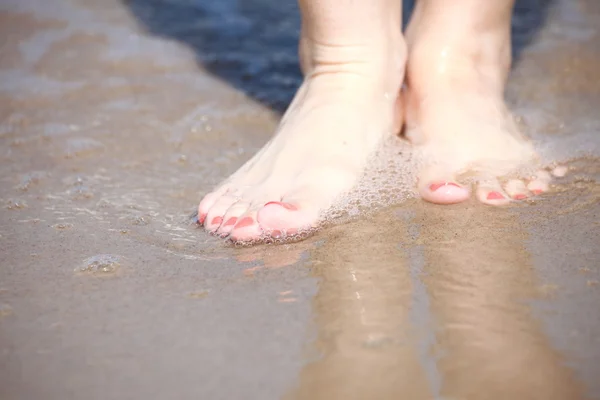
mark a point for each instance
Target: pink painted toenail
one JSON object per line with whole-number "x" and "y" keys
{"x": 520, "y": 196}
{"x": 494, "y": 196}
{"x": 292, "y": 231}
{"x": 231, "y": 221}
{"x": 537, "y": 191}
{"x": 216, "y": 221}
{"x": 287, "y": 206}
{"x": 276, "y": 234}
{"x": 244, "y": 222}
{"x": 435, "y": 186}
{"x": 201, "y": 218}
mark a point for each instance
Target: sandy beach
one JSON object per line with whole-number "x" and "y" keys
{"x": 117, "y": 116}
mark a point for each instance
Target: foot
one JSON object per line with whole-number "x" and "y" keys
{"x": 455, "y": 110}
{"x": 345, "y": 107}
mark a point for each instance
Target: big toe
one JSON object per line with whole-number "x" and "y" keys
{"x": 439, "y": 186}
{"x": 443, "y": 192}
{"x": 281, "y": 218}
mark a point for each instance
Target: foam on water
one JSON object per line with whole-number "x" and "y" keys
{"x": 389, "y": 178}
{"x": 391, "y": 174}
{"x": 101, "y": 264}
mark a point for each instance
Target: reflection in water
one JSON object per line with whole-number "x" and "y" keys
{"x": 362, "y": 313}
{"x": 477, "y": 277}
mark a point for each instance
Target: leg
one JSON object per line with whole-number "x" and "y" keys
{"x": 459, "y": 60}
{"x": 353, "y": 58}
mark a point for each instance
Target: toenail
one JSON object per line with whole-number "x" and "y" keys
{"x": 537, "y": 191}
{"x": 287, "y": 206}
{"x": 231, "y": 221}
{"x": 494, "y": 196}
{"x": 216, "y": 221}
{"x": 276, "y": 234}
{"x": 201, "y": 218}
{"x": 520, "y": 196}
{"x": 435, "y": 186}
{"x": 244, "y": 222}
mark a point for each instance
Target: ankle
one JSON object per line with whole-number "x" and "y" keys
{"x": 382, "y": 62}
{"x": 434, "y": 64}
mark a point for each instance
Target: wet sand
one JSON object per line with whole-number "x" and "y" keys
{"x": 115, "y": 117}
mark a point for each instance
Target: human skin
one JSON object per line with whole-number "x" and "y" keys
{"x": 453, "y": 61}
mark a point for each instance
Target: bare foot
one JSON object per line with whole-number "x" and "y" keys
{"x": 354, "y": 67}
{"x": 459, "y": 60}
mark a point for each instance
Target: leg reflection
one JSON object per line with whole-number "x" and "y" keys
{"x": 364, "y": 344}
{"x": 480, "y": 277}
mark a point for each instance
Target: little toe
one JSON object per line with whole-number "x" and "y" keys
{"x": 207, "y": 202}
{"x": 517, "y": 189}
{"x": 540, "y": 182}
{"x": 246, "y": 227}
{"x": 491, "y": 193}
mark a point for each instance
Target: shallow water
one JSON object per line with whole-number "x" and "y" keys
{"x": 116, "y": 117}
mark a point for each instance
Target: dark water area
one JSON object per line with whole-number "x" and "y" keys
{"x": 252, "y": 45}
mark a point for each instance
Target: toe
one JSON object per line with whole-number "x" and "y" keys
{"x": 299, "y": 209}
{"x": 232, "y": 216}
{"x": 517, "y": 189}
{"x": 246, "y": 227}
{"x": 215, "y": 215}
{"x": 540, "y": 183}
{"x": 438, "y": 185}
{"x": 207, "y": 202}
{"x": 280, "y": 218}
{"x": 315, "y": 191}
{"x": 491, "y": 193}
{"x": 443, "y": 192}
